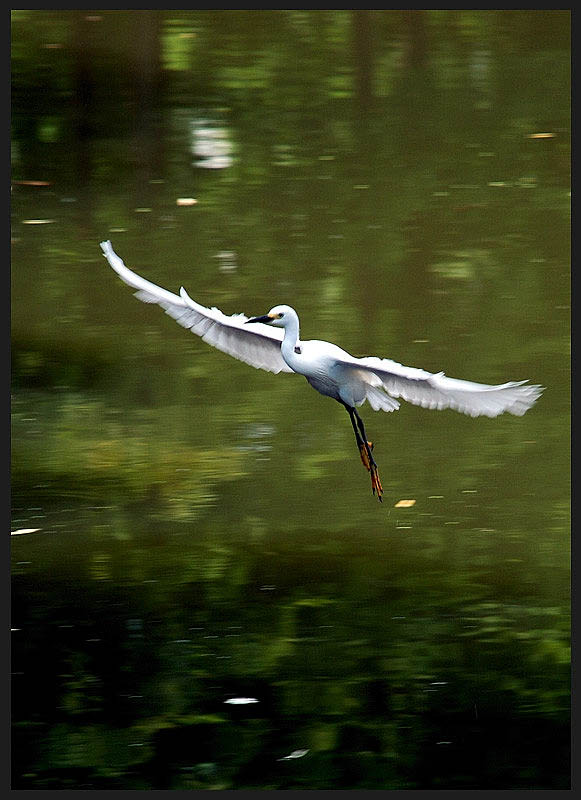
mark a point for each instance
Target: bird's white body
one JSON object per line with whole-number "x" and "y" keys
{"x": 333, "y": 372}
{"x": 320, "y": 362}
{"x": 329, "y": 369}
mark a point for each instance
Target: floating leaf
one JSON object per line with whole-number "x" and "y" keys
{"x": 22, "y": 531}
{"x": 405, "y": 504}
{"x": 32, "y": 183}
{"x": 294, "y": 754}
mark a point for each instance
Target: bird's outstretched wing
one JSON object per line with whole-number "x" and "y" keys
{"x": 436, "y": 390}
{"x": 255, "y": 344}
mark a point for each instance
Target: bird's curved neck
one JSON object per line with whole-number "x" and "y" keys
{"x": 291, "y": 338}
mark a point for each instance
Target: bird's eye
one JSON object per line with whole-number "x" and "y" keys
{"x": 281, "y": 315}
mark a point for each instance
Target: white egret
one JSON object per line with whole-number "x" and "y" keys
{"x": 333, "y": 372}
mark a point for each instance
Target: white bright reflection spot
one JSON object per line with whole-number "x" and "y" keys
{"x": 22, "y": 531}
{"x": 241, "y": 701}
{"x": 294, "y": 754}
{"x": 227, "y": 261}
{"x": 211, "y": 146}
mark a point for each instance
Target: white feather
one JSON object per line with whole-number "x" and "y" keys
{"x": 437, "y": 391}
{"x": 256, "y": 344}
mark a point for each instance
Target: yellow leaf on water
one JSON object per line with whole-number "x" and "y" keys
{"x": 32, "y": 183}
{"x": 405, "y": 504}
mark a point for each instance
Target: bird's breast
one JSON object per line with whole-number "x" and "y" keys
{"x": 313, "y": 359}
{"x": 316, "y": 360}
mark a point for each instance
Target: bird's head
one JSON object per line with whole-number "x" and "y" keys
{"x": 279, "y": 316}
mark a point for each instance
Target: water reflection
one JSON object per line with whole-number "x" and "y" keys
{"x": 211, "y": 145}
{"x": 198, "y": 532}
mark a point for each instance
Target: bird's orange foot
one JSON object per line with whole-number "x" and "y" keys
{"x": 365, "y": 455}
{"x": 376, "y": 483}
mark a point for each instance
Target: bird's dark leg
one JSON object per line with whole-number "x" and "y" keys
{"x": 360, "y": 443}
{"x": 365, "y": 448}
{"x": 375, "y": 480}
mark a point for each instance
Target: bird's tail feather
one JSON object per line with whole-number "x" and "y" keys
{"x": 379, "y": 400}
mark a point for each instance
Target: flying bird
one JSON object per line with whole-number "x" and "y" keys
{"x": 271, "y": 342}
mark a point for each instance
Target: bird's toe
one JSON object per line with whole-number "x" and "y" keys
{"x": 376, "y": 486}
{"x": 365, "y": 457}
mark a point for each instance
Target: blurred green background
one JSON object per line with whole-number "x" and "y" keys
{"x": 187, "y": 530}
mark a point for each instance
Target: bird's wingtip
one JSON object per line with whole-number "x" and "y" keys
{"x": 184, "y": 295}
